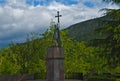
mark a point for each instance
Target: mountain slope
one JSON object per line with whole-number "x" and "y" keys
{"x": 85, "y": 31}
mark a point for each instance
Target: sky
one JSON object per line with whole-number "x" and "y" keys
{"x": 18, "y": 18}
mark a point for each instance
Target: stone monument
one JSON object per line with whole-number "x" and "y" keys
{"x": 55, "y": 57}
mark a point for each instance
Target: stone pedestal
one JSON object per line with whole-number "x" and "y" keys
{"x": 55, "y": 64}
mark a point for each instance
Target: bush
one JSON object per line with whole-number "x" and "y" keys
{"x": 118, "y": 79}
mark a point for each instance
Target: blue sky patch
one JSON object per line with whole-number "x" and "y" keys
{"x": 67, "y": 2}
{"x": 37, "y": 2}
{"x": 47, "y": 2}
{"x": 89, "y": 4}
{"x": 29, "y": 2}
{"x": 2, "y": 1}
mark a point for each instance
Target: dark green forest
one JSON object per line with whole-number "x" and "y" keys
{"x": 94, "y": 52}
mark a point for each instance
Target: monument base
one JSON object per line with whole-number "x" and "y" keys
{"x": 55, "y": 64}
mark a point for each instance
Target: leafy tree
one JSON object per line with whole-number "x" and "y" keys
{"x": 7, "y": 61}
{"x": 84, "y": 59}
{"x": 110, "y": 43}
{"x": 30, "y": 55}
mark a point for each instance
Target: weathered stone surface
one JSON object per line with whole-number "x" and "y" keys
{"x": 55, "y": 53}
{"x": 55, "y": 64}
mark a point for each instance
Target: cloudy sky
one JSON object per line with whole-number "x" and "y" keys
{"x": 20, "y": 17}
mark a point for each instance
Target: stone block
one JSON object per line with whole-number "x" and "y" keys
{"x": 55, "y": 53}
{"x": 55, "y": 64}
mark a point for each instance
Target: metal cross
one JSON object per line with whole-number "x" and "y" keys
{"x": 58, "y": 16}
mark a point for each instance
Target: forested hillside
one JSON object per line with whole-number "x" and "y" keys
{"x": 85, "y": 31}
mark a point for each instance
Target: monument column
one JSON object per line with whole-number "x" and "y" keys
{"x": 55, "y": 56}
{"x": 55, "y": 64}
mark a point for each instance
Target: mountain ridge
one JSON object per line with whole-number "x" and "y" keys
{"x": 85, "y": 31}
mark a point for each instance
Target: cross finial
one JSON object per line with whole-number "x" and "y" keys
{"x": 58, "y": 16}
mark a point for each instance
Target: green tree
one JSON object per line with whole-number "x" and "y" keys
{"x": 30, "y": 55}
{"x": 84, "y": 59}
{"x": 111, "y": 38}
{"x": 7, "y": 61}
{"x": 110, "y": 43}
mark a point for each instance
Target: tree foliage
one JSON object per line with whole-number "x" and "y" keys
{"x": 111, "y": 41}
{"x": 7, "y": 61}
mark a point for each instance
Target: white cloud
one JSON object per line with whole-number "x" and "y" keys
{"x": 17, "y": 19}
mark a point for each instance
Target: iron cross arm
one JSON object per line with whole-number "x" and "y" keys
{"x": 58, "y": 16}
